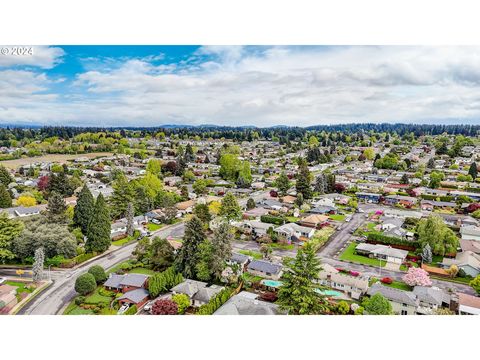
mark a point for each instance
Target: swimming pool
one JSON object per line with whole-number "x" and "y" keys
{"x": 271, "y": 283}
{"x": 331, "y": 293}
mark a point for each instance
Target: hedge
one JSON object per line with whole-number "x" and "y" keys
{"x": 272, "y": 220}
{"x": 390, "y": 240}
{"x": 68, "y": 263}
{"x": 132, "y": 310}
{"x": 215, "y": 302}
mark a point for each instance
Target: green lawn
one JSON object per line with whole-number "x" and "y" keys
{"x": 154, "y": 227}
{"x": 349, "y": 255}
{"x": 291, "y": 219}
{"x": 96, "y": 298}
{"x": 141, "y": 270}
{"x": 396, "y": 284}
{"x": 123, "y": 241}
{"x": 282, "y": 246}
{"x": 251, "y": 278}
{"x": 337, "y": 217}
{"x": 254, "y": 254}
{"x": 21, "y": 288}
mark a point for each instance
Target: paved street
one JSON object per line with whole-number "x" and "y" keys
{"x": 58, "y": 295}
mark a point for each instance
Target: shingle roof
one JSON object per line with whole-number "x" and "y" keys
{"x": 239, "y": 258}
{"x": 265, "y": 267}
{"x": 189, "y": 287}
{"x": 431, "y": 295}
{"x": 392, "y": 294}
{"x": 245, "y": 303}
{"x": 135, "y": 296}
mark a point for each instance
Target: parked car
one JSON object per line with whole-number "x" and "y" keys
{"x": 123, "y": 308}
{"x": 148, "y": 306}
{"x": 2, "y": 280}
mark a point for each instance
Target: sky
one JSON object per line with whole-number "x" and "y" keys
{"x": 239, "y": 85}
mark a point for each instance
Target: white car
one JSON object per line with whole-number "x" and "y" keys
{"x": 148, "y": 306}
{"x": 123, "y": 309}
{"x": 2, "y": 280}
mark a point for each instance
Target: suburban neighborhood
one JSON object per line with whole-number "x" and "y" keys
{"x": 361, "y": 220}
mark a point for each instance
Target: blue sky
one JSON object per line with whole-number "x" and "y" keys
{"x": 239, "y": 85}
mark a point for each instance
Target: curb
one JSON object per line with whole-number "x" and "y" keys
{"x": 21, "y": 305}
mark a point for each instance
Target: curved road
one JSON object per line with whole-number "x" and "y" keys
{"x": 61, "y": 292}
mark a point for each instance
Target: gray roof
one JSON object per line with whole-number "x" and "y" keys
{"x": 239, "y": 258}
{"x": 206, "y": 293}
{"x": 245, "y": 303}
{"x": 114, "y": 281}
{"x": 189, "y": 287}
{"x": 265, "y": 267}
{"x": 117, "y": 281}
{"x": 431, "y": 295}
{"x": 135, "y": 296}
{"x": 392, "y": 294}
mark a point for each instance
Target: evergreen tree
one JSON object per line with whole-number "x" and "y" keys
{"x": 143, "y": 203}
{"x": 56, "y": 208}
{"x": 5, "y": 177}
{"x": 161, "y": 254}
{"x": 123, "y": 194}
{"x": 189, "y": 155}
{"x": 251, "y": 204}
{"x": 188, "y": 256}
{"x": 221, "y": 248}
{"x": 202, "y": 212}
{"x": 431, "y": 163}
{"x": 37, "y": 268}
{"x": 83, "y": 211}
{"x": 5, "y": 199}
{"x": 129, "y": 216}
{"x": 303, "y": 180}
{"x": 321, "y": 184}
{"x": 404, "y": 179}
{"x": 298, "y": 294}
{"x": 283, "y": 183}
{"x": 230, "y": 208}
{"x": 427, "y": 254}
{"x": 202, "y": 267}
{"x": 60, "y": 184}
{"x": 98, "y": 233}
{"x": 473, "y": 170}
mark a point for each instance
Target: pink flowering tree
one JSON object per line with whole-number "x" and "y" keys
{"x": 417, "y": 276}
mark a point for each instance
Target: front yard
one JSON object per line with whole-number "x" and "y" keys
{"x": 337, "y": 217}
{"x": 154, "y": 227}
{"x": 23, "y": 289}
{"x": 349, "y": 255}
{"x": 321, "y": 237}
{"x": 254, "y": 254}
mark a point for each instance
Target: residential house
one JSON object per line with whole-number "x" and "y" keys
{"x": 368, "y": 197}
{"x": 431, "y": 299}
{"x": 470, "y": 233}
{"x": 255, "y": 213}
{"x": 468, "y": 304}
{"x": 198, "y": 292}
{"x": 256, "y": 228}
{"x": 403, "y": 302}
{"x": 353, "y": 286}
{"x": 407, "y": 201}
{"x": 382, "y": 252}
{"x": 314, "y": 221}
{"x": 430, "y": 205}
{"x": 185, "y": 207}
{"x": 131, "y": 285}
{"x": 323, "y": 209}
{"x": 265, "y": 269}
{"x": 247, "y": 303}
{"x": 468, "y": 261}
{"x": 294, "y": 232}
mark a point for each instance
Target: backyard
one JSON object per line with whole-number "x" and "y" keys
{"x": 349, "y": 255}
{"x": 254, "y": 254}
{"x": 321, "y": 237}
{"x": 337, "y": 217}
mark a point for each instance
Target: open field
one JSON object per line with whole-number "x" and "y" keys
{"x": 59, "y": 158}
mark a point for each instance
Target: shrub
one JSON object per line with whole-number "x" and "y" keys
{"x": 342, "y": 308}
{"x": 269, "y": 296}
{"x": 390, "y": 240}
{"x": 164, "y": 307}
{"x": 104, "y": 292}
{"x": 387, "y": 280}
{"x": 132, "y": 310}
{"x": 80, "y": 300}
{"x": 55, "y": 261}
{"x": 272, "y": 219}
{"x": 182, "y": 301}
{"x": 98, "y": 273}
{"x": 215, "y": 302}
{"x": 85, "y": 284}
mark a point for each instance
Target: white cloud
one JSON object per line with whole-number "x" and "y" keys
{"x": 44, "y": 57}
{"x": 266, "y": 86}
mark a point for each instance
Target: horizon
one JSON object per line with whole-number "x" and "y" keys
{"x": 261, "y": 86}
